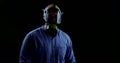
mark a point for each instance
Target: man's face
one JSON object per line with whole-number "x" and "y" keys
{"x": 52, "y": 17}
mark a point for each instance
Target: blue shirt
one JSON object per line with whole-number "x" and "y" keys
{"x": 40, "y": 47}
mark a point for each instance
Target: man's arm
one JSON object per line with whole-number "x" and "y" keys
{"x": 27, "y": 50}
{"x": 70, "y": 58}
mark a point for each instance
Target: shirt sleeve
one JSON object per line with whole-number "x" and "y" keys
{"x": 70, "y": 58}
{"x": 27, "y": 52}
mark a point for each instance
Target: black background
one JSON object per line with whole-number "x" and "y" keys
{"x": 88, "y": 23}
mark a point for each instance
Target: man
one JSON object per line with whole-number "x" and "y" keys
{"x": 48, "y": 44}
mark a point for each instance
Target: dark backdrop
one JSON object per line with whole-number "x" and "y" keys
{"x": 88, "y": 23}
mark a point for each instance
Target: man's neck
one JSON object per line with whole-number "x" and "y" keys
{"x": 50, "y": 31}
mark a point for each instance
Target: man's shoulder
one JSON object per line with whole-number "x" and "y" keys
{"x": 66, "y": 35}
{"x": 34, "y": 31}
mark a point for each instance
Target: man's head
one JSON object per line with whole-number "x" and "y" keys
{"x": 52, "y": 14}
